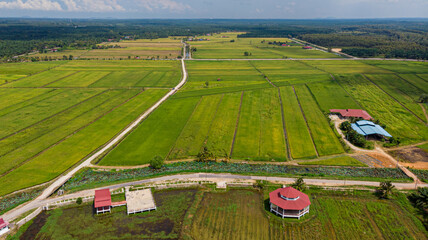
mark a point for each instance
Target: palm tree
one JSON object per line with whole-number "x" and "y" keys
{"x": 385, "y": 188}
{"x": 299, "y": 184}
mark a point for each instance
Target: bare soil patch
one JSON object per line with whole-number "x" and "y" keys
{"x": 410, "y": 155}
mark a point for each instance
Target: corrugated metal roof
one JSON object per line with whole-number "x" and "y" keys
{"x": 365, "y": 128}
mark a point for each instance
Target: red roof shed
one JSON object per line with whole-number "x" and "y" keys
{"x": 289, "y": 199}
{"x": 352, "y": 113}
{"x": 3, "y": 223}
{"x": 102, "y": 198}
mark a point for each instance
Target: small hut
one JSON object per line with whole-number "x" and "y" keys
{"x": 289, "y": 202}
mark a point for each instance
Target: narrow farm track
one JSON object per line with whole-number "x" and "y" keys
{"x": 306, "y": 121}
{"x": 237, "y": 124}
{"x": 425, "y": 112}
{"x": 282, "y": 111}
{"x": 216, "y": 177}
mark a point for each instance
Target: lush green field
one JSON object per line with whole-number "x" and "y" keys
{"x": 228, "y": 45}
{"x": 299, "y": 138}
{"x": 105, "y": 74}
{"x": 53, "y": 119}
{"x": 260, "y": 133}
{"x": 345, "y": 66}
{"x": 80, "y": 222}
{"x": 324, "y": 138}
{"x": 402, "y": 91}
{"x": 399, "y": 121}
{"x": 336, "y": 161}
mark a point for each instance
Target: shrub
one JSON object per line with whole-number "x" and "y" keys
{"x": 157, "y": 162}
{"x": 79, "y": 201}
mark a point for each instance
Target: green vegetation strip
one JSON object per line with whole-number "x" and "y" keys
{"x": 89, "y": 178}
{"x": 336, "y": 161}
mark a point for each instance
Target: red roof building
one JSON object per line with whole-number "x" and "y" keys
{"x": 289, "y": 202}
{"x": 102, "y": 202}
{"x": 4, "y": 226}
{"x": 357, "y": 113}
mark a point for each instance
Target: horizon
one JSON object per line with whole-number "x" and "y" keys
{"x": 221, "y": 9}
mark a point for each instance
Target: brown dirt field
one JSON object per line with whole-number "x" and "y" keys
{"x": 410, "y": 155}
{"x": 386, "y": 162}
{"x": 417, "y": 165}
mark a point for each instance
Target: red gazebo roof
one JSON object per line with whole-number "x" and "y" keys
{"x": 289, "y": 199}
{"x": 102, "y": 198}
{"x": 352, "y": 113}
{"x": 3, "y": 223}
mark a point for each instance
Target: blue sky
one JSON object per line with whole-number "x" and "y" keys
{"x": 266, "y": 9}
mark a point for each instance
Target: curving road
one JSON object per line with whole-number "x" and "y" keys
{"x": 224, "y": 177}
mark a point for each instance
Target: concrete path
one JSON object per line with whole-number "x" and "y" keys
{"x": 218, "y": 177}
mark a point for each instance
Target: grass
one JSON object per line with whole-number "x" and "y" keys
{"x": 402, "y": 91}
{"x": 399, "y": 122}
{"x": 221, "y": 133}
{"x": 160, "y": 131}
{"x": 346, "y": 66}
{"x": 330, "y": 95}
{"x": 424, "y": 146}
{"x": 46, "y": 166}
{"x": 194, "y": 134}
{"x": 238, "y": 214}
{"x": 336, "y": 161}
{"x": 80, "y": 222}
{"x": 219, "y": 47}
{"x": 415, "y": 80}
{"x": 324, "y": 138}
{"x": 80, "y": 79}
{"x": 299, "y": 138}
{"x": 260, "y": 133}
{"x": 401, "y": 66}
{"x": 41, "y": 79}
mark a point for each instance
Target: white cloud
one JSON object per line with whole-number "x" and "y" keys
{"x": 164, "y": 4}
{"x": 45, "y": 5}
{"x": 92, "y": 5}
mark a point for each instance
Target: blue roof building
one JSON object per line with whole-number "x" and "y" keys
{"x": 367, "y": 128}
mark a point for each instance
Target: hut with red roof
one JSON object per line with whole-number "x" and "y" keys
{"x": 356, "y": 113}
{"x": 4, "y": 226}
{"x": 102, "y": 202}
{"x": 289, "y": 202}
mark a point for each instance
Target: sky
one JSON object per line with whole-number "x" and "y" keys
{"x": 230, "y": 9}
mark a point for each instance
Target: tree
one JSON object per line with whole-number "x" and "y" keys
{"x": 157, "y": 162}
{"x": 299, "y": 184}
{"x": 420, "y": 199}
{"x": 70, "y": 57}
{"x": 423, "y": 98}
{"x": 207, "y": 84}
{"x": 246, "y": 54}
{"x": 205, "y": 155}
{"x": 79, "y": 201}
{"x": 385, "y": 189}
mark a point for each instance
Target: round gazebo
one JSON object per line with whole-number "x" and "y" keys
{"x": 289, "y": 202}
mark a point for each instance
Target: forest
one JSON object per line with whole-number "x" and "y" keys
{"x": 389, "y": 38}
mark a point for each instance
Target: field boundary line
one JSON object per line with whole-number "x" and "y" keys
{"x": 287, "y": 145}
{"x": 141, "y": 80}
{"x": 111, "y": 72}
{"x": 306, "y": 121}
{"x": 40, "y": 95}
{"x": 61, "y": 124}
{"x": 185, "y": 125}
{"x": 398, "y": 75}
{"x": 237, "y": 124}
{"x": 284, "y": 126}
{"x": 350, "y": 95}
{"x": 59, "y": 79}
{"x": 214, "y": 117}
{"x": 70, "y": 135}
{"x": 420, "y": 119}
{"x": 48, "y": 69}
{"x": 56, "y": 114}
{"x": 417, "y": 75}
